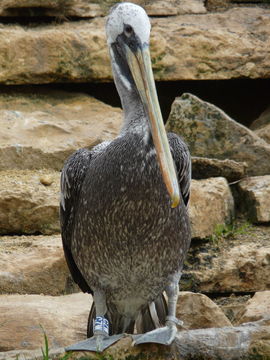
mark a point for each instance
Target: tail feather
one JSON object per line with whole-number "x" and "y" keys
{"x": 118, "y": 324}
{"x": 153, "y": 316}
{"x": 150, "y": 318}
{"x": 91, "y": 318}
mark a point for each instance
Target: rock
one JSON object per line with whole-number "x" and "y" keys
{"x": 58, "y": 8}
{"x": 211, "y": 204}
{"x": 22, "y": 315}
{"x": 203, "y": 168}
{"x": 41, "y": 128}
{"x": 262, "y": 121}
{"x": 32, "y": 265}
{"x": 192, "y": 7}
{"x": 56, "y": 354}
{"x": 264, "y": 133}
{"x": 172, "y": 7}
{"x": 46, "y": 180}
{"x": 187, "y": 47}
{"x": 257, "y": 308}
{"x": 254, "y": 198}
{"x": 53, "y": 313}
{"x": 232, "y": 305}
{"x": 63, "y": 318}
{"x": 261, "y": 126}
{"x": 227, "y": 269}
{"x": 224, "y": 4}
{"x": 197, "y": 311}
{"x": 217, "y": 4}
{"x": 85, "y": 8}
{"x": 228, "y": 343}
{"x": 209, "y": 132}
{"x": 27, "y": 206}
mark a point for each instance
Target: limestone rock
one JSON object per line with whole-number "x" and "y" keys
{"x": 32, "y": 265}
{"x": 209, "y": 132}
{"x": 188, "y": 47}
{"x": 197, "y": 311}
{"x": 78, "y": 8}
{"x": 257, "y": 308}
{"x": 218, "y": 4}
{"x": 211, "y": 204}
{"x": 21, "y": 315}
{"x": 86, "y": 8}
{"x": 223, "y": 4}
{"x": 192, "y": 7}
{"x": 239, "y": 268}
{"x": 261, "y": 126}
{"x": 228, "y": 343}
{"x": 41, "y": 128}
{"x": 264, "y": 133}
{"x": 262, "y": 121}
{"x": 203, "y": 168}
{"x": 232, "y": 305}
{"x": 27, "y": 206}
{"x": 254, "y": 198}
{"x": 64, "y": 319}
{"x": 172, "y": 7}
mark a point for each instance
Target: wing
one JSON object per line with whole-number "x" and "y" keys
{"x": 72, "y": 178}
{"x": 181, "y": 157}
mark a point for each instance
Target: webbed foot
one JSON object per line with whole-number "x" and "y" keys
{"x": 164, "y": 335}
{"x": 97, "y": 343}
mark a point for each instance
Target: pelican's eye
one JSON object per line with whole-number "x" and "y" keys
{"x": 128, "y": 30}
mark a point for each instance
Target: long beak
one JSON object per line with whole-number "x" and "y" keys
{"x": 141, "y": 69}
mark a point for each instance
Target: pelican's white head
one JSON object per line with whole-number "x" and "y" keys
{"x": 127, "y": 18}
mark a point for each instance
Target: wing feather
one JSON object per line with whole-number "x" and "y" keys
{"x": 72, "y": 177}
{"x": 182, "y": 159}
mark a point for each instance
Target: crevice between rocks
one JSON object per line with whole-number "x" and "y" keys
{"x": 242, "y": 99}
{"x": 35, "y": 20}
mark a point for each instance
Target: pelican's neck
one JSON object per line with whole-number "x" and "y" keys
{"x": 135, "y": 118}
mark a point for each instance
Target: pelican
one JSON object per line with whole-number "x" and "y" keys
{"x": 123, "y": 211}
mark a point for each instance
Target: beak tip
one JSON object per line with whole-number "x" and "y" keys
{"x": 175, "y": 201}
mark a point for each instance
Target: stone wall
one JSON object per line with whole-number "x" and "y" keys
{"x": 51, "y": 47}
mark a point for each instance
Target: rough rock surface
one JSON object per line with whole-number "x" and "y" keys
{"x": 26, "y": 312}
{"x": 188, "y": 47}
{"x": 264, "y": 133}
{"x": 27, "y": 205}
{"x": 197, "y": 311}
{"x": 203, "y": 168}
{"x": 41, "y": 128}
{"x": 86, "y": 8}
{"x": 232, "y": 305}
{"x": 254, "y": 198}
{"x": 209, "y": 132}
{"x": 261, "y": 126}
{"x": 262, "y": 121}
{"x": 228, "y": 343}
{"x": 211, "y": 204}
{"x": 229, "y": 268}
{"x": 32, "y": 265}
{"x": 64, "y": 319}
{"x": 224, "y": 4}
{"x": 257, "y": 308}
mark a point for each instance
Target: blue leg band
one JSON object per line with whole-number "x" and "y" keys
{"x": 101, "y": 324}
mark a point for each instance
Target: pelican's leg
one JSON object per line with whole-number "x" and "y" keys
{"x": 101, "y": 339}
{"x": 166, "y": 334}
{"x": 100, "y": 324}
